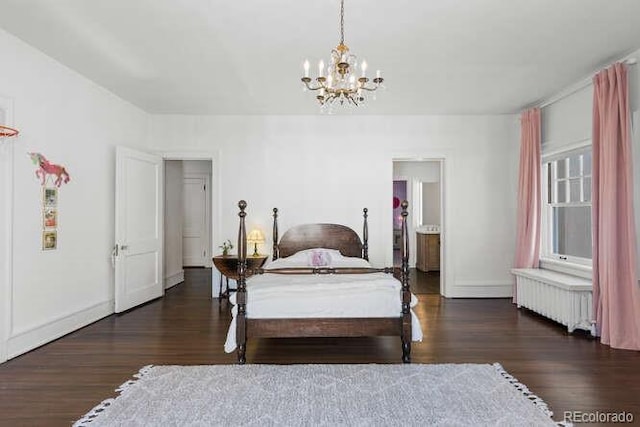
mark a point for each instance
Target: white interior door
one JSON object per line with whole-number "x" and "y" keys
{"x": 139, "y": 228}
{"x": 195, "y": 230}
{"x": 6, "y": 231}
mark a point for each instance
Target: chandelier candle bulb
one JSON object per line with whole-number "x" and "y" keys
{"x": 364, "y": 68}
{"x": 306, "y": 68}
{"x": 320, "y": 68}
{"x": 378, "y": 74}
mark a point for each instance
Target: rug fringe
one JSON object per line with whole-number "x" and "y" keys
{"x": 94, "y": 413}
{"x": 97, "y": 410}
{"x": 537, "y": 401}
{"x": 141, "y": 373}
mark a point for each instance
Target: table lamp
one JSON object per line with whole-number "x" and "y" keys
{"x": 255, "y": 237}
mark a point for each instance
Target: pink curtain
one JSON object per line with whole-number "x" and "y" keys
{"x": 616, "y": 296}
{"x": 529, "y": 198}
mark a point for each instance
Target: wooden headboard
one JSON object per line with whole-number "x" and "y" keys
{"x": 329, "y": 236}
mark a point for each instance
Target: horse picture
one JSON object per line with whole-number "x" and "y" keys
{"x": 47, "y": 168}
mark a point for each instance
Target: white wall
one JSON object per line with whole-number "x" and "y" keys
{"x": 197, "y": 167}
{"x": 327, "y": 168}
{"x": 431, "y": 203}
{"x": 424, "y": 171}
{"x": 76, "y": 123}
{"x": 173, "y": 202}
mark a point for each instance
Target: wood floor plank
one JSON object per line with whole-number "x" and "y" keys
{"x": 59, "y": 382}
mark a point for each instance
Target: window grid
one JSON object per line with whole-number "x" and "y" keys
{"x": 560, "y": 195}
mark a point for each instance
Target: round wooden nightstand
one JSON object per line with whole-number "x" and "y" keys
{"x": 228, "y": 267}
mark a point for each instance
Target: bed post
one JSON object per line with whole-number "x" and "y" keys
{"x": 365, "y": 236}
{"x": 406, "y": 293}
{"x": 241, "y": 295}
{"x": 275, "y": 235}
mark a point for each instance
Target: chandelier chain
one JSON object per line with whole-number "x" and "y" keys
{"x": 341, "y": 21}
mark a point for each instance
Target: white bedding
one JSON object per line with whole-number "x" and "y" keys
{"x": 273, "y": 296}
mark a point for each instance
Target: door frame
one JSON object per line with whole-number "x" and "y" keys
{"x": 444, "y": 158}
{"x": 6, "y": 277}
{"x": 215, "y": 221}
{"x": 207, "y": 194}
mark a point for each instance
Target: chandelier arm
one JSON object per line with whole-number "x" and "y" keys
{"x": 370, "y": 89}
{"x": 313, "y": 88}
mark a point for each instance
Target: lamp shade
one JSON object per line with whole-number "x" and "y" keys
{"x": 255, "y": 236}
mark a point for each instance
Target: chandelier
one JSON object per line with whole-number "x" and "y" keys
{"x": 341, "y": 84}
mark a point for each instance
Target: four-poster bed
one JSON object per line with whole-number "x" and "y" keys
{"x": 359, "y": 300}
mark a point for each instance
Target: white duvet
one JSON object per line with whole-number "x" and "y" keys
{"x": 273, "y": 296}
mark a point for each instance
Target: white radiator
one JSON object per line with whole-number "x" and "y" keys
{"x": 560, "y": 297}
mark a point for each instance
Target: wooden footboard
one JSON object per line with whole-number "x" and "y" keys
{"x": 325, "y": 327}
{"x": 331, "y": 236}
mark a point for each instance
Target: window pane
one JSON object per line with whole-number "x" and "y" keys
{"x": 574, "y": 190}
{"x": 549, "y": 184}
{"x": 561, "y": 192}
{"x": 562, "y": 168}
{"x": 572, "y": 231}
{"x": 574, "y": 165}
{"x": 586, "y": 163}
{"x": 587, "y": 189}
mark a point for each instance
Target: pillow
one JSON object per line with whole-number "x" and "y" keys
{"x": 288, "y": 262}
{"x": 349, "y": 262}
{"x": 304, "y": 259}
{"x": 319, "y": 258}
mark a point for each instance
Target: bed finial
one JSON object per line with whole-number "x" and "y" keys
{"x": 276, "y": 253}
{"x": 365, "y": 235}
{"x": 241, "y": 295}
{"x": 406, "y": 293}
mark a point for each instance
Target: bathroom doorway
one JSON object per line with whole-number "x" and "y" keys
{"x": 420, "y": 183}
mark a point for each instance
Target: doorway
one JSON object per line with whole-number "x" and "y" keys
{"x": 420, "y": 182}
{"x": 188, "y": 221}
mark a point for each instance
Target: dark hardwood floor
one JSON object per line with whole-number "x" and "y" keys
{"x": 59, "y": 382}
{"x": 424, "y": 282}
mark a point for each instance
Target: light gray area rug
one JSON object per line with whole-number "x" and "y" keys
{"x": 321, "y": 395}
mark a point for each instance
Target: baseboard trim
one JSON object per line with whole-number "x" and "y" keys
{"x": 30, "y": 339}
{"x": 174, "y": 279}
{"x": 481, "y": 289}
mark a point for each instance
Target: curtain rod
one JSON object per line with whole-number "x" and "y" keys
{"x": 579, "y": 85}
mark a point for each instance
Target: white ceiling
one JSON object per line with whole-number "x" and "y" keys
{"x": 245, "y": 56}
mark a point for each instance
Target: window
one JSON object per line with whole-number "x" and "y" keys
{"x": 568, "y": 208}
